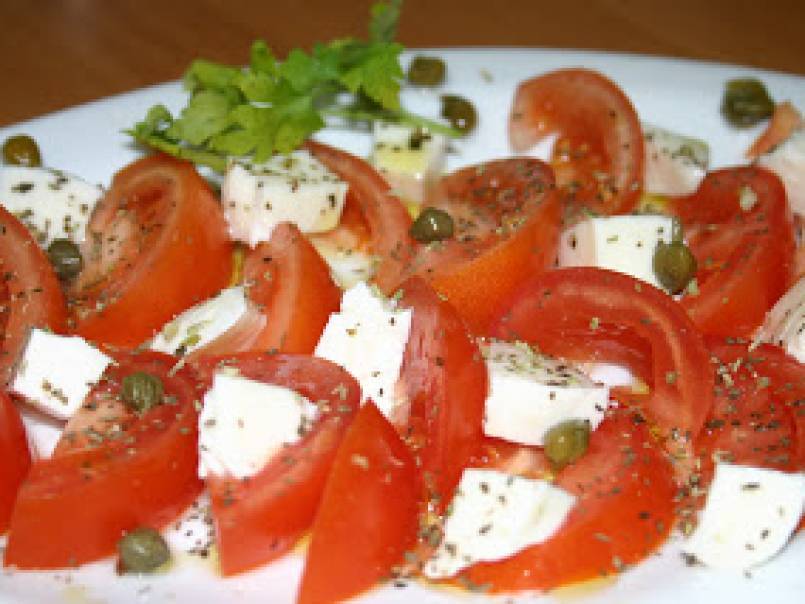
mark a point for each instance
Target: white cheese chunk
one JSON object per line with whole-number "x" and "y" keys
{"x": 244, "y": 423}
{"x": 785, "y": 322}
{"x": 368, "y": 338}
{"x": 620, "y": 243}
{"x": 409, "y": 158}
{"x": 749, "y": 516}
{"x": 349, "y": 263}
{"x": 530, "y": 393}
{"x": 674, "y": 164}
{"x": 493, "y": 516}
{"x": 55, "y": 373}
{"x": 787, "y": 160}
{"x": 295, "y": 188}
{"x": 52, "y": 204}
{"x": 202, "y": 323}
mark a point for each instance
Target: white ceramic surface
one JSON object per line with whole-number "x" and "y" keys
{"x": 678, "y": 95}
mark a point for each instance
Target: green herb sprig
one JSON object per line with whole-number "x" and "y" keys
{"x": 273, "y": 106}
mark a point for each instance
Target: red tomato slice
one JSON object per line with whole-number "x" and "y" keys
{"x": 507, "y": 218}
{"x": 15, "y": 457}
{"x": 157, "y": 243}
{"x": 291, "y": 296}
{"x": 598, "y": 157}
{"x": 368, "y": 516}
{"x": 582, "y": 298}
{"x": 745, "y": 254}
{"x": 112, "y": 471}
{"x": 625, "y": 488}
{"x": 386, "y": 216}
{"x": 34, "y": 296}
{"x": 445, "y": 383}
{"x": 261, "y": 518}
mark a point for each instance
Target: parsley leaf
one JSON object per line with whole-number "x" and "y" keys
{"x": 272, "y": 106}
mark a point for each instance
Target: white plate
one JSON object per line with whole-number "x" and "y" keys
{"x": 680, "y": 95}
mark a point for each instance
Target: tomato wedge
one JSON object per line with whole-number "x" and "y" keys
{"x": 625, "y": 488}
{"x": 740, "y": 229}
{"x": 291, "y": 295}
{"x": 577, "y": 299}
{"x": 111, "y": 472}
{"x": 157, "y": 243}
{"x": 386, "y": 216}
{"x": 598, "y": 156}
{"x": 15, "y": 457}
{"x": 368, "y": 516}
{"x": 34, "y": 295}
{"x": 261, "y": 518}
{"x": 445, "y": 383}
{"x": 507, "y": 217}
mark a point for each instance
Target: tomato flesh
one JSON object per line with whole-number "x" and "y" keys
{"x": 368, "y": 515}
{"x": 15, "y": 457}
{"x": 157, "y": 243}
{"x": 112, "y": 471}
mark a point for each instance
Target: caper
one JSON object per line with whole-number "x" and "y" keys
{"x": 141, "y": 391}
{"x": 426, "y": 71}
{"x": 66, "y": 258}
{"x": 567, "y": 441}
{"x": 459, "y": 112}
{"x": 142, "y": 550}
{"x": 674, "y": 265}
{"x": 746, "y": 102}
{"x": 431, "y": 225}
{"x": 22, "y": 150}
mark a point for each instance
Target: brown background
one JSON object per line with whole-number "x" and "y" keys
{"x": 56, "y": 53}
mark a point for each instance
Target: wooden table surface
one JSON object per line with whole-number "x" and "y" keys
{"x": 57, "y": 53}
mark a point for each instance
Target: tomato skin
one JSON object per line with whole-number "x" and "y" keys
{"x": 291, "y": 296}
{"x": 368, "y": 516}
{"x": 507, "y": 217}
{"x": 746, "y": 263}
{"x": 34, "y": 294}
{"x": 388, "y": 219}
{"x": 74, "y": 507}
{"x": 445, "y": 382}
{"x": 158, "y": 224}
{"x": 599, "y": 154}
{"x": 625, "y": 488}
{"x": 260, "y": 518}
{"x": 15, "y": 457}
{"x": 582, "y": 298}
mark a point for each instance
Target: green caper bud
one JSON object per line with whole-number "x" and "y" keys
{"x": 567, "y": 441}
{"x": 432, "y": 225}
{"x": 22, "y": 150}
{"x": 141, "y": 391}
{"x": 674, "y": 265}
{"x": 746, "y": 102}
{"x": 459, "y": 112}
{"x": 426, "y": 71}
{"x": 142, "y": 550}
{"x": 66, "y": 258}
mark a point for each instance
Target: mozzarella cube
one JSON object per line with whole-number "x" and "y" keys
{"x": 620, "y": 243}
{"x": 52, "y": 204}
{"x": 785, "y": 322}
{"x": 493, "y": 516}
{"x": 674, "y": 164}
{"x": 749, "y": 516}
{"x": 244, "y": 423}
{"x": 410, "y": 159}
{"x": 530, "y": 393}
{"x": 349, "y": 262}
{"x": 368, "y": 338}
{"x": 202, "y": 323}
{"x": 295, "y": 188}
{"x": 55, "y": 373}
{"x": 787, "y": 160}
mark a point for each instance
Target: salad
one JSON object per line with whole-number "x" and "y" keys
{"x": 341, "y": 429}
